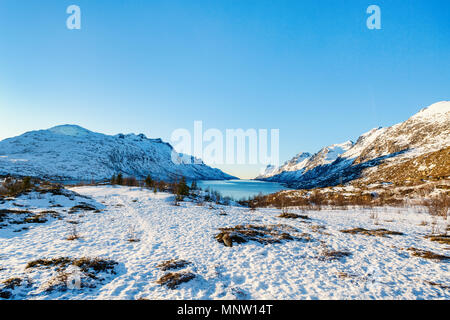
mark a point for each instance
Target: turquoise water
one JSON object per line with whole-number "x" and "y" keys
{"x": 241, "y": 189}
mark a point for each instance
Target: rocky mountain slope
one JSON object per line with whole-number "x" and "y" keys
{"x": 69, "y": 152}
{"x": 412, "y": 150}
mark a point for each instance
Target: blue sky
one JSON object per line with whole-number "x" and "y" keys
{"x": 309, "y": 68}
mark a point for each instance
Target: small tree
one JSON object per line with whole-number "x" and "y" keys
{"x": 130, "y": 181}
{"x": 26, "y": 182}
{"x": 113, "y": 179}
{"x": 119, "y": 179}
{"x": 182, "y": 188}
{"x": 148, "y": 182}
{"x": 194, "y": 185}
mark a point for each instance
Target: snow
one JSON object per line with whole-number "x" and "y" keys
{"x": 70, "y": 130}
{"x": 378, "y": 268}
{"x": 439, "y": 112}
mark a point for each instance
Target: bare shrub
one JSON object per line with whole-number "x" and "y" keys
{"x": 12, "y": 187}
{"x": 73, "y": 234}
{"x": 435, "y": 229}
{"x": 132, "y": 234}
{"x": 317, "y": 199}
{"x": 130, "y": 182}
{"x": 438, "y": 206}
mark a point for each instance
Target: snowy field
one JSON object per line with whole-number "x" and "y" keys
{"x": 139, "y": 230}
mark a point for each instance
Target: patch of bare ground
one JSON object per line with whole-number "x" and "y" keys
{"x": 345, "y": 275}
{"x": 4, "y": 294}
{"x": 444, "y": 239}
{"x": 265, "y": 234}
{"x": 83, "y": 207}
{"x": 9, "y": 285}
{"x": 375, "y": 232}
{"x": 85, "y": 271}
{"x": 425, "y": 254}
{"x": 288, "y": 215}
{"x": 436, "y": 284}
{"x": 173, "y": 279}
{"x": 85, "y": 264}
{"x": 12, "y": 283}
{"x": 173, "y": 264}
{"x": 17, "y": 217}
{"x": 332, "y": 255}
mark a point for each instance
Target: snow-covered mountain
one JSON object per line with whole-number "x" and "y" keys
{"x": 382, "y": 153}
{"x": 304, "y": 162}
{"x": 70, "y": 152}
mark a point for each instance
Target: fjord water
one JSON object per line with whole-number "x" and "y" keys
{"x": 241, "y": 189}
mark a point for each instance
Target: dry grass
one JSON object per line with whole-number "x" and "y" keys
{"x": 85, "y": 264}
{"x": 288, "y": 215}
{"x": 173, "y": 279}
{"x": 12, "y": 283}
{"x": 87, "y": 270}
{"x": 425, "y": 254}
{"x": 58, "y": 282}
{"x": 435, "y": 284}
{"x": 438, "y": 206}
{"x": 262, "y": 234}
{"x": 345, "y": 275}
{"x": 173, "y": 264}
{"x": 17, "y": 217}
{"x": 12, "y": 187}
{"x": 82, "y": 207}
{"x": 443, "y": 238}
{"x": 375, "y": 232}
{"x": 317, "y": 228}
{"x": 331, "y": 255}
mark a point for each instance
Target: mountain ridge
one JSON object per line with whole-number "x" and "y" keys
{"x": 71, "y": 152}
{"x": 425, "y": 132}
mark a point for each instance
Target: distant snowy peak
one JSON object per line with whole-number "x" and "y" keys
{"x": 305, "y": 161}
{"x": 268, "y": 171}
{"x": 70, "y": 152}
{"x": 70, "y": 130}
{"x": 329, "y": 154}
{"x": 439, "y": 111}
